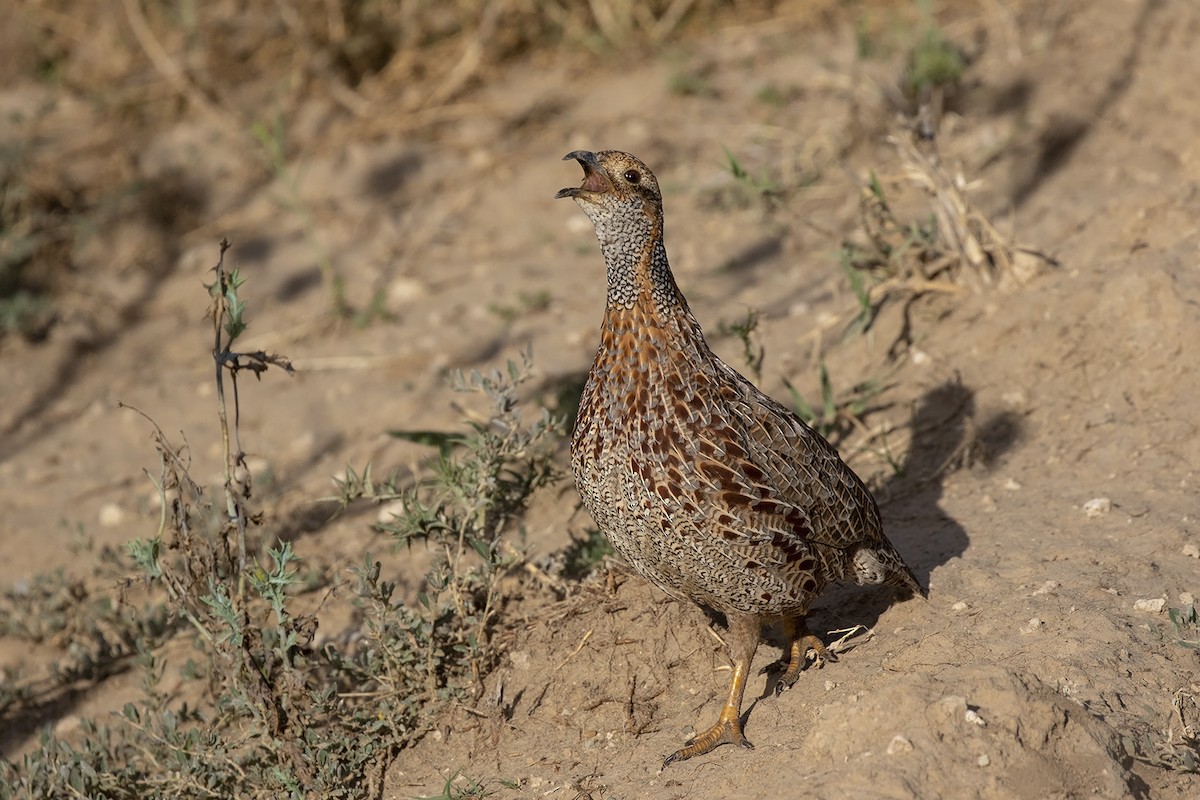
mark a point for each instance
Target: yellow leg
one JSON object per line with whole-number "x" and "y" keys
{"x": 743, "y": 641}
{"x": 800, "y": 641}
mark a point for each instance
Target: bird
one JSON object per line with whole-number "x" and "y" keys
{"x": 706, "y": 486}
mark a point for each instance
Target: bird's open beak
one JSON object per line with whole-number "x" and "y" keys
{"x": 595, "y": 179}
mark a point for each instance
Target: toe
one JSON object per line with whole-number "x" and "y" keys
{"x": 709, "y": 740}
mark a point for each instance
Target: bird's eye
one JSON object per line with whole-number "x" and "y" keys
{"x": 632, "y": 175}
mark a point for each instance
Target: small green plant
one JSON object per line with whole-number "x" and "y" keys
{"x": 935, "y": 63}
{"x": 897, "y": 250}
{"x": 884, "y": 451}
{"x": 474, "y": 497}
{"x": 761, "y": 186}
{"x": 1170, "y": 741}
{"x": 30, "y": 229}
{"x": 836, "y": 414}
{"x": 691, "y": 83}
{"x": 849, "y": 256}
{"x": 1187, "y": 626}
{"x": 776, "y": 96}
{"x": 896, "y": 258}
{"x": 453, "y": 789}
{"x": 866, "y": 45}
{"x": 97, "y": 632}
{"x": 745, "y": 329}
{"x": 465, "y": 508}
{"x": 584, "y": 555}
{"x": 26, "y": 313}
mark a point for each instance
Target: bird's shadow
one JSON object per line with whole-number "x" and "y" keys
{"x": 946, "y": 435}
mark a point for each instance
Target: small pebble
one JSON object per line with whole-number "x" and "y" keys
{"x": 389, "y": 511}
{"x": 302, "y": 445}
{"x": 1033, "y": 626}
{"x": 1097, "y": 507}
{"x": 258, "y": 466}
{"x": 951, "y": 706}
{"x": 1154, "y": 606}
{"x": 899, "y": 744}
{"x": 959, "y": 606}
{"x": 1191, "y": 551}
{"x": 1015, "y": 399}
{"x": 1046, "y": 588}
{"x": 405, "y": 290}
{"x": 1187, "y": 599}
{"x": 1012, "y": 486}
{"x": 68, "y": 726}
{"x": 983, "y": 760}
{"x": 111, "y": 515}
{"x": 798, "y": 309}
{"x": 972, "y": 716}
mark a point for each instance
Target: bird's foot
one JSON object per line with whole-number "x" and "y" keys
{"x": 726, "y": 731}
{"x": 798, "y": 660}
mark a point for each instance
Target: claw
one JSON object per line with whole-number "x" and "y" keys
{"x": 726, "y": 731}
{"x": 798, "y": 658}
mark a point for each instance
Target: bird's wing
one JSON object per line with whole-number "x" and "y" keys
{"x": 796, "y": 472}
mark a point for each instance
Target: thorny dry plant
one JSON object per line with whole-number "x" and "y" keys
{"x": 973, "y": 252}
{"x": 955, "y": 248}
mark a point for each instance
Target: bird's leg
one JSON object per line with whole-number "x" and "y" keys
{"x": 800, "y": 640}
{"x": 743, "y": 641}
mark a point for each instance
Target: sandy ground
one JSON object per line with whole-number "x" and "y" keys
{"x": 1046, "y": 434}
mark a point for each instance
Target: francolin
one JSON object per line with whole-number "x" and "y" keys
{"x": 707, "y": 487}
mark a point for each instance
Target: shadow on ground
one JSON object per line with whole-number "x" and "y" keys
{"x": 947, "y": 436}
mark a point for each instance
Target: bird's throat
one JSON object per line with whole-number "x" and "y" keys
{"x": 642, "y": 278}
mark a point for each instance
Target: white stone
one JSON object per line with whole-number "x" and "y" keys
{"x": 389, "y": 511}
{"x": 1015, "y": 399}
{"x": 111, "y": 515}
{"x": 1097, "y": 507}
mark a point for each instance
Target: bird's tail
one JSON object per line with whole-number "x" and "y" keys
{"x": 882, "y": 564}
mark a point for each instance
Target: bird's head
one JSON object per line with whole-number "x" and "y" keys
{"x": 619, "y": 193}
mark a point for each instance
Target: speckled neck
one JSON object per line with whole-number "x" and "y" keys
{"x": 640, "y": 274}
